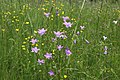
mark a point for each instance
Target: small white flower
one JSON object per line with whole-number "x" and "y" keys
{"x": 104, "y": 37}
{"x": 115, "y": 22}
{"x": 82, "y": 27}
{"x": 63, "y": 36}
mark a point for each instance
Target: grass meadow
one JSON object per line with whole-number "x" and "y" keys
{"x": 59, "y": 40}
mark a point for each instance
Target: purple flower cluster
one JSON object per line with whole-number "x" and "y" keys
{"x": 67, "y": 24}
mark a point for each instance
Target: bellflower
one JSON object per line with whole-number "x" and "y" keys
{"x": 41, "y": 61}
{"x": 47, "y": 14}
{"x": 59, "y": 47}
{"x": 74, "y": 41}
{"x": 34, "y": 41}
{"x": 35, "y": 49}
{"x": 41, "y": 31}
{"x": 48, "y": 55}
{"x": 58, "y": 34}
{"x": 68, "y": 52}
{"x": 67, "y": 24}
{"x": 51, "y": 73}
{"x": 65, "y": 18}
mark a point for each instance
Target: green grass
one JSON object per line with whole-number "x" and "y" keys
{"x": 87, "y": 61}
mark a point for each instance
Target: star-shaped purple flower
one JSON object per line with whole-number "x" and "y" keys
{"x": 67, "y": 24}
{"x": 41, "y": 61}
{"x": 47, "y": 14}
{"x": 59, "y": 47}
{"x": 68, "y": 52}
{"x": 41, "y": 31}
{"x": 48, "y": 55}
{"x": 51, "y": 73}
{"x": 58, "y": 34}
{"x": 34, "y": 41}
{"x": 65, "y": 18}
{"x": 35, "y": 49}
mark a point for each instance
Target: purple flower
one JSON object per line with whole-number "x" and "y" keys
{"x": 59, "y": 47}
{"x": 41, "y": 31}
{"x": 67, "y": 24}
{"x": 105, "y": 48}
{"x": 35, "y": 49}
{"x": 58, "y": 34}
{"x": 74, "y": 41}
{"x": 65, "y": 18}
{"x": 47, "y": 14}
{"x": 41, "y": 61}
{"x": 82, "y": 27}
{"x": 78, "y": 33}
{"x": 105, "y": 52}
{"x": 48, "y": 55}
{"x": 53, "y": 39}
{"x": 51, "y": 73}
{"x": 68, "y": 52}
{"x": 34, "y": 41}
{"x": 57, "y": 12}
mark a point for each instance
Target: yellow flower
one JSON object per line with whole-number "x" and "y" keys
{"x": 65, "y": 76}
{"x": 17, "y": 30}
{"x": 63, "y": 12}
{"x": 24, "y": 42}
{"x": 31, "y": 36}
{"x": 12, "y": 20}
{"x": 3, "y": 30}
{"x": 81, "y": 31}
{"x": 17, "y": 20}
{"x": 28, "y": 37}
{"x": 42, "y": 43}
{"x": 52, "y": 16}
{"x": 62, "y": 5}
{"x": 25, "y": 38}
{"x": 58, "y": 14}
{"x": 13, "y": 16}
{"x": 35, "y": 31}
{"x": 36, "y": 45}
{"x": 38, "y": 8}
{"x": 26, "y": 22}
{"x": 43, "y": 9}
{"x": 24, "y": 48}
{"x": 72, "y": 19}
{"x": 53, "y": 52}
